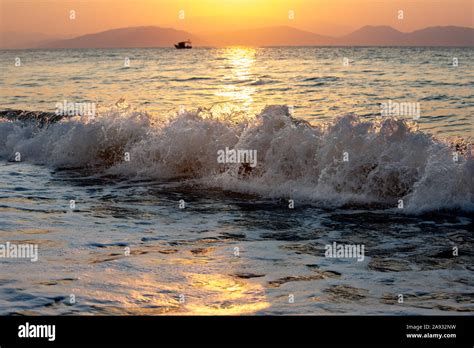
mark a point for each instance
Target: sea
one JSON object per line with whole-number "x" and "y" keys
{"x": 359, "y": 199}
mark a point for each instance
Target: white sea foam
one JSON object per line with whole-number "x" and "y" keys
{"x": 387, "y": 160}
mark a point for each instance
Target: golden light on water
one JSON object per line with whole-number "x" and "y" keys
{"x": 225, "y": 295}
{"x": 204, "y": 294}
{"x": 240, "y": 61}
{"x": 190, "y": 288}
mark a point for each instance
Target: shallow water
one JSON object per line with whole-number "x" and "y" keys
{"x": 129, "y": 246}
{"x": 191, "y": 251}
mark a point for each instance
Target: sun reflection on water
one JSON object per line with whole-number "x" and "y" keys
{"x": 225, "y": 295}
{"x": 240, "y": 62}
{"x": 205, "y": 290}
{"x": 203, "y": 294}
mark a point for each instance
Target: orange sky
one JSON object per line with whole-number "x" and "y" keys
{"x": 330, "y": 17}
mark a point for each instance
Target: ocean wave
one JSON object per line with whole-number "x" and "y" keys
{"x": 262, "y": 82}
{"x": 322, "y": 79}
{"x": 195, "y": 78}
{"x": 350, "y": 160}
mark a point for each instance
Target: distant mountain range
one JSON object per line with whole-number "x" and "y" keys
{"x": 432, "y": 36}
{"x": 151, "y": 36}
{"x": 126, "y": 37}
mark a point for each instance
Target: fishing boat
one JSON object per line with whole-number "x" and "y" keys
{"x": 183, "y": 45}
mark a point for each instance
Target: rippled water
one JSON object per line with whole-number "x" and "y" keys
{"x": 236, "y": 247}
{"x": 192, "y": 252}
{"x": 314, "y": 80}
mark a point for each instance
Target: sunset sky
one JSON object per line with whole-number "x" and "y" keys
{"x": 329, "y": 17}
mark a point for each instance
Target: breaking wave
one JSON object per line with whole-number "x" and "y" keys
{"x": 351, "y": 160}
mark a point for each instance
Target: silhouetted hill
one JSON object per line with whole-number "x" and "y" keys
{"x": 373, "y": 35}
{"x": 442, "y": 36}
{"x": 387, "y": 36}
{"x": 127, "y": 37}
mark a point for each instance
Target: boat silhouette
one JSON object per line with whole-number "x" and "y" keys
{"x": 183, "y": 45}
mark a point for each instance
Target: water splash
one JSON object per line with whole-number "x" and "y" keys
{"x": 351, "y": 160}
